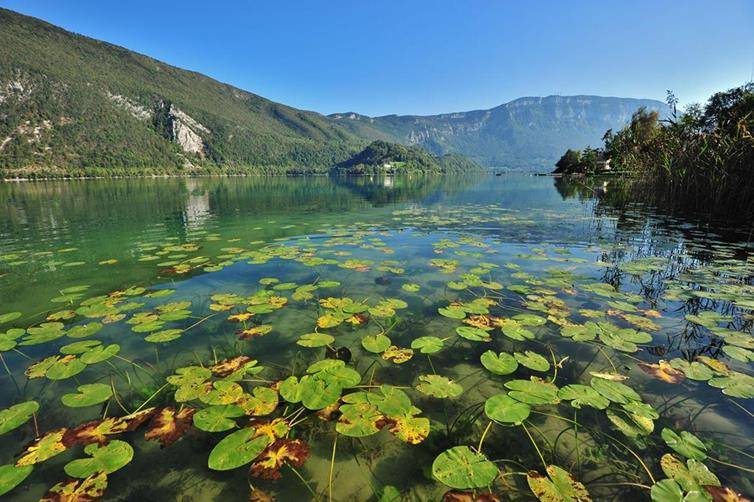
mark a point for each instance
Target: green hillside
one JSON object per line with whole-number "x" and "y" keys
{"x": 71, "y": 102}
{"x": 385, "y": 157}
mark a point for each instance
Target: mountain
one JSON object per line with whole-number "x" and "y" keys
{"x": 524, "y": 133}
{"x": 76, "y": 103}
{"x": 385, "y": 157}
{"x": 70, "y": 104}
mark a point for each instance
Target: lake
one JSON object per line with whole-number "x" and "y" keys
{"x": 369, "y": 339}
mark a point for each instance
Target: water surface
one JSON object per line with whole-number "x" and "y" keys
{"x": 191, "y": 272}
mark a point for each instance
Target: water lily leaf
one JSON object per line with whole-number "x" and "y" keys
{"x": 43, "y": 448}
{"x": 88, "y": 395}
{"x": 315, "y": 340}
{"x": 397, "y": 354}
{"x": 223, "y": 392}
{"x": 261, "y": 330}
{"x": 409, "y": 428}
{"x": 532, "y": 360}
{"x": 685, "y": 444}
{"x": 663, "y": 371}
{"x": 12, "y": 475}
{"x": 217, "y": 418}
{"x": 582, "y": 395}
{"x": 281, "y": 452}
{"x": 9, "y": 316}
{"x": 359, "y": 418}
{"x": 641, "y": 409}
{"x": 666, "y": 490}
{"x": 516, "y": 331}
{"x": 391, "y": 401}
{"x": 376, "y": 343}
{"x": 559, "y": 485}
{"x": 236, "y": 366}
{"x": 692, "y": 370}
{"x": 506, "y": 410}
{"x": 633, "y": 426}
{"x": 499, "y": 364}
{"x": 411, "y": 288}
{"x": 17, "y": 415}
{"x": 460, "y": 467}
{"x": 690, "y": 476}
{"x": 236, "y": 449}
{"x": 438, "y": 386}
{"x": 8, "y": 340}
{"x": 427, "y": 344}
{"x": 45, "y": 332}
{"x": 64, "y": 367}
{"x": 84, "y": 330}
{"x": 473, "y": 334}
{"x": 735, "y": 385}
{"x": 78, "y": 490}
{"x": 534, "y": 391}
{"x": 100, "y": 353}
{"x": 614, "y": 390}
{"x": 262, "y": 401}
{"x": 452, "y": 312}
{"x": 164, "y": 336}
{"x": 168, "y": 425}
{"x": 189, "y": 375}
{"x": 95, "y": 431}
{"x": 738, "y": 353}
{"x": 107, "y": 459}
{"x": 530, "y": 320}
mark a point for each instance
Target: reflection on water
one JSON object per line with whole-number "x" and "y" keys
{"x": 571, "y": 280}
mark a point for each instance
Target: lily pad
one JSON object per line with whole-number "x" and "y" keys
{"x": 427, "y": 344}
{"x": 217, "y": 418}
{"x": 237, "y": 449}
{"x": 685, "y": 444}
{"x": 558, "y": 485}
{"x": 461, "y": 468}
{"x": 88, "y": 395}
{"x": 534, "y": 391}
{"x": 583, "y": 395}
{"x": 17, "y": 415}
{"x": 532, "y": 360}
{"x": 473, "y": 334}
{"x": 438, "y": 386}
{"x": 506, "y": 410}
{"x": 109, "y": 458}
{"x": 499, "y": 364}
{"x": 12, "y": 475}
{"x": 315, "y": 340}
{"x": 376, "y": 343}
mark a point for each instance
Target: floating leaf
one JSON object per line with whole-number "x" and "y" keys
{"x": 217, "y": 418}
{"x": 376, "y": 343}
{"x": 281, "y": 452}
{"x": 88, "y": 395}
{"x": 262, "y": 401}
{"x": 438, "y": 386}
{"x": 685, "y": 444}
{"x": 12, "y": 475}
{"x": 17, "y": 415}
{"x": 236, "y": 449}
{"x": 473, "y": 334}
{"x": 460, "y": 467}
{"x": 168, "y": 425}
{"x": 79, "y": 490}
{"x": 582, "y": 395}
{"x": 558, "y": 485}
{"x": 43, "y": 448}
{"x": 8, "y": 317}
{"x": 534, "y": 391}
{"x": 532, "y": 360}
{"x": 506, "y": 410}
{"x": 107, "y": 459}
{"x": 614, "y": 390}
{"x": 499, "y": 364}
{"x": 397, "y": 354}
{"x": 427, "y": 344}
{"x": 315, "y": 340}
{"x": 663, "y": 371}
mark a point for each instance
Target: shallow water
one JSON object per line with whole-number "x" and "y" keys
{"x": 518, "y": 263}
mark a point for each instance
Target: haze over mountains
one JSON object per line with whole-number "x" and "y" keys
{"x": 72, "y": 103}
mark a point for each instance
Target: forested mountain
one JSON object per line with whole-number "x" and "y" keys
{"x": 70, "y": 101}
{"x": 524, "y": 133}
{"x": 386, "y": 157}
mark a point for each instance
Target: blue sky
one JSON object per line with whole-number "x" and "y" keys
{"x": 422, "y": 57}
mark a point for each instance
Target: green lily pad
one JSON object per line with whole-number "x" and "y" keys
{"x": 614, "y": 391}
{"x": 164, "y": 336}
{"x": 666, "y": 490}
{"x": 453, "y": 312}
{"x": 473, "y": 334}
{"x": 693, "y": 370}
{"x": 427, "y": 344}
{"x": 738, "y": 353}
{"x": 315, "y": 340}
{"x": 88, "y": 395}
{"x": 8, "y": 317}
{"x": 109, "y": 458}
{"x": 461, "y": 468}
{"x": 506, "y": 410}
{"x": 685, "y": 444}
{"x": 532, "y": 360}
{"x": 376, "y": 343}
{"x": 499, "y": 364}
{"x": 65, "y": 367}
{"x": 84, "y": 330}
{"x": 438, "y": 386}
{"x": 530, "y": 320}
{"x": 517, "y": 332}
{"x": 12, "y": 475}
{"x": 17, "y": 415}
{"x": 100, "y": 353}
{"x": 236, "y": 449}
{"x": 583, "y": 395}
{"x": 217, "y": 418}
{"x": 534, "y": 391}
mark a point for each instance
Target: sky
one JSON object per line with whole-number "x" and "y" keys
{"x": 379, "y": 57}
